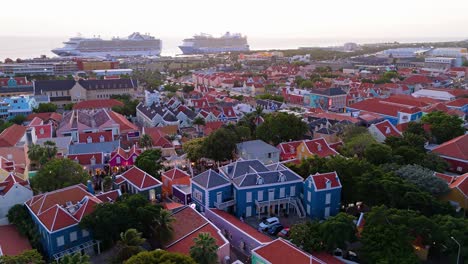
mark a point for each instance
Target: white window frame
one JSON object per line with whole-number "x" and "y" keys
{"x": 73, "y": 236}
{"x": 292, "y": 191}
{"x": 328, "y": 198}
{"x": 118, "y": 160}
{"x": 60, "y": 241}
{"x": 248, "y": 197}
{"x": 309, "y": 196}
{"x": 260, "y": 196}
{"x": 84, "y": 233}
{"x": 282, "y": 193}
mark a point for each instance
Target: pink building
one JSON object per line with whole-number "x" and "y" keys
{"x": 123, "y": 158}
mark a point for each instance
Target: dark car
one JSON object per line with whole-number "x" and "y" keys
{"x": 275, "y": 229}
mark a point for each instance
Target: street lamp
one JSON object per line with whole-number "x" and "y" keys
{"x": 459, "y": 248}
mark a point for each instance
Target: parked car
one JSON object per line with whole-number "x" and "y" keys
{"x": 275, "y": 229}
{"x": 268, "y": 222}
{"x": 284, "y": 232}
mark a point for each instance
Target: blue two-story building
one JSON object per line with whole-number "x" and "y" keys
{"x": 20, "y": 105}
{"x": 57, "y": 216}
{"x": 209, "y": 188}
{"x": 322, "y": 195}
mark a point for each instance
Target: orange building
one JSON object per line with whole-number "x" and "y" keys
{"x": 173, "y": 177}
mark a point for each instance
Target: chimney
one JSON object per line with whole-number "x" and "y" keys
{"x": 90, "y": 187}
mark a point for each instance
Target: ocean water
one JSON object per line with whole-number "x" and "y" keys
{"x": 31, "y": 47}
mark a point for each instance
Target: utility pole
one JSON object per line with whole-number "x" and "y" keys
{"x": 459, "y": 248}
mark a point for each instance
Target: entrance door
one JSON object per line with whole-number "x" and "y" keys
{"x": 248, "y": 211}
{"x": 219, "y": 197}
{"x": 327, "y": 212}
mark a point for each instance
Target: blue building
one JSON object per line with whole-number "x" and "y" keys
{"x": 209, "y": 188}
{"x": 322, "y": 195}
{"x": 57, "y": 216}
{"x": 20, "y": 105}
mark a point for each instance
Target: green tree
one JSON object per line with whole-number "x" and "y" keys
{"x": 423, "y": 178}
{"x": 273, "y": 97}
{"x": 220, "y": 145}
{"x": 159, "y": 256}
{"x": 129, "y": 244}
{"x": 76, "y": 258}
{"x": 377, "y": 153}
{"x": 444, "y": 126}
{"x": 68, "y": 107}
{"x": 162, "y": 227}
{"x": 204, "y": 249}
{"x": 20, "y": 217}
{"x": 46, "y": 108}
{"x": 35, "y": 154}
{"x": 57, "y": 174}
{"x": 307, "y": 236}
{"x": 29, "y": 256}
{"x": 150, "y": 162}
{"x": 358, "y": 144}
{"x": 145, "y": 141}
{"x": 306, "y": 84}
{"x": 194, "y": 149}
{"x": 106, "y": 184}
{"x": 337, "y": 231}
{"x": 18, "y": 119}
{"x": 129, "y": 105}
{"x": 274, "y": 130}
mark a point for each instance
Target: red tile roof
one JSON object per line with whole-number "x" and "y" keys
{"x": 320, "y": 180}
{"x": 125, "y": 125}
{"x": 460, "y": 102}
{"x": 109, "y": 196}
{"x": 175, "y": 173}
{"x": 95, "y": 137}
{"x": 85, "y": 158}
{"x": 289, "y": 149}
{"x": 210, "y": 127}
{"x": 139, "y": 178}
{"x": 99, "y": 103}
{"x": 12, "y": 243}
{"x": 43, "y": 131}
{"x": 10, "y": 181}
{"x": 36, "y": 121}
{"x": 376, "y": 105}
{"x": 282, "y": 252}
{"x": 461, "y": 183}
{"x": 53, "y": 211}
{"x": 455, "y": 148}
{"x": 260, "y": 237}
{"x": 45, "y": 116}
{"x": 387, "y": 129}
{"x": 447, "y": 178}
{"x": 417, "y": 79}
{"x": 158, "y": 137}
{"x": 10, "y": 136}
{"x": 320, "y": 147}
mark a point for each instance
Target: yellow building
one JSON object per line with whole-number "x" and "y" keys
{"x": 458, "y": 194}
{"x": 318, "y": 146}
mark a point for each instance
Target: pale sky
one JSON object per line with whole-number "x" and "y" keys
{"x": 265, "y": 19}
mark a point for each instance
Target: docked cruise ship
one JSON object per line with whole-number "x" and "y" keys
{"x": 205, "y": 43}
{"x": 134, "y": 45}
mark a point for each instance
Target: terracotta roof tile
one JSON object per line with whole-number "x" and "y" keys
{"x": 139, "y": 178}
{"x": 99, "y": 103}
{"x": 455, "y": 148}
{"x": 321, "y": 179}
{"x": 12, "y": 243}
{"x": 283, "y": 252}
{"x": 461, "y": 183}
{"x": 10, "y": 136}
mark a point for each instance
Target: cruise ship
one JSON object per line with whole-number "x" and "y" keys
{"x": 134, "y": 45}
{"x": 204, "y": 43}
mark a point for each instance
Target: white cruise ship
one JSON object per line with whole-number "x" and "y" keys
{"x": 134, "y": 45}
{"x": 205, "y": 43}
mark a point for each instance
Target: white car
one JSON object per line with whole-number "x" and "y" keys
{"x": 268, "y": 222}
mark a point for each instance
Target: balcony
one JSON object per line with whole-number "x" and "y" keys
{"x": 224, "y": 205}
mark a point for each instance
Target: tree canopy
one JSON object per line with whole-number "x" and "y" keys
{"x": 423, "y": 178}
{"x": 159, "y": 256}
{"x": 220, "y": 145}
{"x": 274, "y": 130}
{"x": 129, "y": 107}
{"x": 45, "y": 108}
{"x": 150, "y": 162}
{"x": 204, "y": 249}
{"x": 29, "y": 256}
{"x": 443, "y": 126}
{"x": 57, "y": 174}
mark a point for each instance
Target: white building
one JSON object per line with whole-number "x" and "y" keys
{"x": 402, "y": 52}
{"x": 449, "y": 52}
{"x": 13, "y": 191}
{"x": 152, "y": 97}
{"x": 434, "y": 94}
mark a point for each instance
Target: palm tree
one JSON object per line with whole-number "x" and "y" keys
{"x": 35, "y": 153}
{"x": 129, "y": 244}
{"x": 76, "y": 258}
{"x": 50, "y": 149}
{"x": 162, "y": 227}
{"x": 199, "y": 122}
{"x": 204, "y": 250}
{"x": 145, "y": 141}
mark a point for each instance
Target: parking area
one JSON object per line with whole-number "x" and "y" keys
{"x": 286, "y": 221}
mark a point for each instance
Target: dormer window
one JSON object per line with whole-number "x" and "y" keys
{"x": 281, "y": 177}
{"x": 93, "y": 161}
{"x": 319, "y": 147}
{"x": 101, "y": 138}
{"x": 89, "y": 140}
{"x": 387, "y": 130}
{"x": 259, "y": 180}
{"x": 328, "y": 184}
{"x": 292, "y": 149}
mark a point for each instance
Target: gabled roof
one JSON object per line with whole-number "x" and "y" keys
{"x": 45, "y": 116}
{"x": 140, "y": 179}
{"x": 10, "y": 181}
{"x": 175, "y": 173}
{"x": 11, "y": 135}
{"x": 320, "y": 180}
{"x": 319, "y": 147}
{"x": 447, "y": 178}
{"x": 210, "y": 127}
{"x": 289, "y": 147}
{"x": 460, "y": 102}
{"x": 53, "y": 85}
{"x": 85, "y": 158}
{"x": 36, "y": 121}
{"x": 107, "y": 84}
{"x": 99, "y": 103}
{"x": 461, "y": 183}
{"x": 43, "y": 131}
{"x": 281, "y": 251}
{"x": 256, "y": 147}
{"x": 62, "y": 208}
{"x": 123, "y": 122}
{"x": 387, "y": 129}
{"x": 95, "y": 137}
{"x": 455, "y": 148}
{"x": 242, "y": 167}
{"x": 106, "y": 147}
{"x": 158, "y": 137}
{"x": 209, "y": 179}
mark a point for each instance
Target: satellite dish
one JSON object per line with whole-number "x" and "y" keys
{"x": 193, "y": 206}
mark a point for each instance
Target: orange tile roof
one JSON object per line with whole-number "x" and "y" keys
{"x": 95, "y": 136}
{"x": 99, "y": 103}
{"x": 455, "y": 148}
{"x": 176, "y": 173}
{"x": 12, "y": 243}
{"x": 10, "y": 136}
{"x": 320, "y": 147}
{"x": 123, "y": 122}
{"x": 139, "y": 178}
{"x": 461, "y": 183}
{"x": 45, "y": 116}
{"x": 282, "y": 252}
{"x": 320, "y": 180}
{"x": 387, "y": 129}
